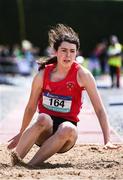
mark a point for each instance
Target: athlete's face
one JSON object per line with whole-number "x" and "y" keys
{"x": 66, "y": 54}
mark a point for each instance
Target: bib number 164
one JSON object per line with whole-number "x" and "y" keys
{"x": 56, "y": 102}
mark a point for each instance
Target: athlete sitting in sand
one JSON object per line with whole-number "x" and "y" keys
{"x": 56, "y": 91}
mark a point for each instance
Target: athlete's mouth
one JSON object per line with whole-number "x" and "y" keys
{"x": 67, "y": 60}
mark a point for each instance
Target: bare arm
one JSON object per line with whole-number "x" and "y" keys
{"x": 86, "y": 79}
{"x": 30, "y": 108}
{"x": 33, "y": 100}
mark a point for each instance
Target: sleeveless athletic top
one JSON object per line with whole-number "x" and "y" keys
{"x": 63, "y": 98}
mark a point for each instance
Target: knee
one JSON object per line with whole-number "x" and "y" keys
{"x": 44, "y": 120}
{"x": 67, "y": 131}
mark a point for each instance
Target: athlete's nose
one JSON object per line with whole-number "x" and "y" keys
{"x": 68, "y": 54}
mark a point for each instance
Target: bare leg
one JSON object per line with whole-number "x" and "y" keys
{"x": 29, "y": 137}
{"x": 66, "y": 134}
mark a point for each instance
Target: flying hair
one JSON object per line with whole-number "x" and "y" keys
{"x": 57, "y": 35}
{"x": 61, "y": 33}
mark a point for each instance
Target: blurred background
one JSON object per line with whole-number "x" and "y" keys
{"x": 30, "y": 19}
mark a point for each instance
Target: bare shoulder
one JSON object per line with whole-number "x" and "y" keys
{"x": 38, "y": 79}
{"x": 83, "y": 71}
{"x": 39, "y": 75}
{"x": 84, "y": 76}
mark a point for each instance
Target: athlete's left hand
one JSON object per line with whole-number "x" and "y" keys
{"x": 109, "y": 145}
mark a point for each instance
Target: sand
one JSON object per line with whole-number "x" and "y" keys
{"x": 85, "y": 162}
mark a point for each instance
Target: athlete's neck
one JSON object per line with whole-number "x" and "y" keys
{"x": 62, "y": 69}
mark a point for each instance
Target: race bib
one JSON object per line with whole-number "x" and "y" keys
{"x": 56, "y": 102}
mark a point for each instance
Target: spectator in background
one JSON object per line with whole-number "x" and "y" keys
{"x": 4, "y": 51}
{"x": 114, "y": 53}
{"x": 93, "y": 64}
{"x": 17, "y": 52}
{"x": 101, "y": 54}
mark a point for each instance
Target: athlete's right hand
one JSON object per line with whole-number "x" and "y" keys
{"x": 14, "y": 141}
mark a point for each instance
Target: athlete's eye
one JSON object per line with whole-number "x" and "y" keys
{"x": 63, "y": 50}
{"x": 72, "y": 51}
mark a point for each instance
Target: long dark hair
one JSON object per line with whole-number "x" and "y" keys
{"x": 57, "y": 35}
{"x": 42, "y": 62}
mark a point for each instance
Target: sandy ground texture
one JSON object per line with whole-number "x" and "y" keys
{"x": 85, "y": 162}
